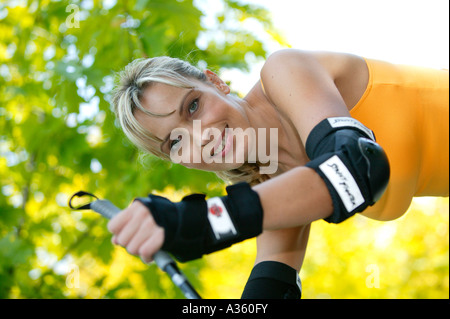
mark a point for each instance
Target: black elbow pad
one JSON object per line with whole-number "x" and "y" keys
{"x": 354, "y": 167}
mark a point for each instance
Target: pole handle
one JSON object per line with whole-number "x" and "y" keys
{"x": 161, "y": 258}
{"x": 109, "y": 210}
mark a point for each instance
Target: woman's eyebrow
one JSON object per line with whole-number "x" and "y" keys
{"x": 180, "y": 112}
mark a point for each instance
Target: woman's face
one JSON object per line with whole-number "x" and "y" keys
{"x": 201, "y": 130}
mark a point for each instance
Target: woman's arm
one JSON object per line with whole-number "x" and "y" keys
{"x": 348, "y": 171}
{"x": 298, "y": 84}
{"x": 300, "y": 87}
{"x": 297, "y": 197}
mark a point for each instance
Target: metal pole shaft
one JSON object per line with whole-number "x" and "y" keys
{"x": 162, "y": 259}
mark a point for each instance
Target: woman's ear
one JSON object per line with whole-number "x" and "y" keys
{"x": 218, "y": 82}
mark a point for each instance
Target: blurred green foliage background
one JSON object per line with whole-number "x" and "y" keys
{"x": 58, "y": 136}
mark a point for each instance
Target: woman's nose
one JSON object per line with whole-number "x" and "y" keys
{"x": 200, "y": 136}
{"x": 207, "y": 137}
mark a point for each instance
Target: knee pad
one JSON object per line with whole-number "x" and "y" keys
{"x": 273, "y": 280}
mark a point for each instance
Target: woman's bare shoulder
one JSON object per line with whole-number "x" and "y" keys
{"x": 336, "y": 63}
{"x": 348, "y": 72}
{"x": 300, "y": 85}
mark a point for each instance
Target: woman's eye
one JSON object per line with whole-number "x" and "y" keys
{"x": 193, "y": 107}
{"x": 174, "y": 142}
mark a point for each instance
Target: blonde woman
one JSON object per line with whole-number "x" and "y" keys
{"x": 351, "y": 135}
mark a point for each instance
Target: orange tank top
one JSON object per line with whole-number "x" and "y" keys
{"x": 407, "y": 109}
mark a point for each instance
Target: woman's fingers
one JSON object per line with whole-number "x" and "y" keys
{"x": 135, "y": 229}
{"x": 139, "y": 216}
{"x": 116, "y": 224}
{"x": 141, "y": 235}
{"x": 152, "y": 245}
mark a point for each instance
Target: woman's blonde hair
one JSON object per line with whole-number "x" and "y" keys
{"x": 126, "y": 99}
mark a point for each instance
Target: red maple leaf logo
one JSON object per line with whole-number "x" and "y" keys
{"x": 215, "y": 210}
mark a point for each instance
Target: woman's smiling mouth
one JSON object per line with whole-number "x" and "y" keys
{"x": 222, "y": 146}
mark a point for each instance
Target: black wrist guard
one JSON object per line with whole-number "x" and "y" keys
{"x": 273, "y": 280}
{"x": 195, "y": 226}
